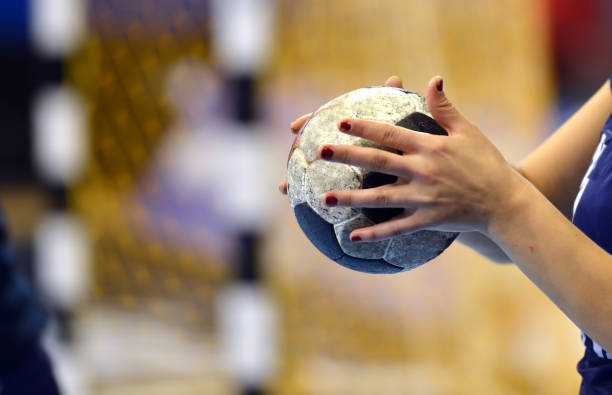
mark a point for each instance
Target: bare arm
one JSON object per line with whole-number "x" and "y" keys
{"x": 569, "y": 267}
{"x": 557, "y": 166}
{"x": 558, "y": 180}
{"x": 461, "y": 182}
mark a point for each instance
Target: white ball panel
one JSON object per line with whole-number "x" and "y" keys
{"x": 296, "y": 178}
{"x": 323, "y": 129}
{"x": 323, "y": 176}
{"x": 366, "y": 250}
{"x": 367, "y": 104}
{"x": 414, "y": 249}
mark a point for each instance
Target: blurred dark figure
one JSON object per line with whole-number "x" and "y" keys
{"x": 24, "y": 365}
{"x": 25, "y": 368}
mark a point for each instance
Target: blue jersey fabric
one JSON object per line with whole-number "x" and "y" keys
{"x": 593, "y": 215}
{"x": 21, "y": 317}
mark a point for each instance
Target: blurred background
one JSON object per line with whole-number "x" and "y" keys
{"x": 142, "y": 143}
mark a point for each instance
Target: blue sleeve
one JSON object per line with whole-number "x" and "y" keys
{"x": 21, "y": 316}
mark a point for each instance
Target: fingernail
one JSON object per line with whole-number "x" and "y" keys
{"x": 355, "y": 238}
{"x": 440, "y": 85}
{"x": 345, "y": 126}
{"x": 327, "y": 153}
{"x": 331, "y": 200}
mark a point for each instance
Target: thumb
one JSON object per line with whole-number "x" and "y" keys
{"x": 442, "y": 109}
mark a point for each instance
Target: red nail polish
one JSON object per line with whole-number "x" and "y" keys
{"x": 331, "y": 200}
{"x": 345, "y": 126}
{"x": 355, "y": 238}
{"x": 327, "y": 153}
{"x": 440, "y": 85}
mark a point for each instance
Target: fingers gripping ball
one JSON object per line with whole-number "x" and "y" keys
{"x": 328, "y": 228}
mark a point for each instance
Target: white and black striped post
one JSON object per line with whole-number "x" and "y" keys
{"x": 242, "y": 37}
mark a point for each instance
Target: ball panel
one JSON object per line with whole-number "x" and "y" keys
{"x": 373, "y": 180}
{"x": 366, "y": 250}
{"x": 414, "y": 249}
{"x": 422, "y": 123}
{"x": 378, "y": 215}
{"x": 323, "y": 176}
{"x": 319, "y": 232}
{"x": 367, "y": 103}
{"x": 373, "y": 266}
{"x": 296, "y": 178}
{"x": 323, "y": 129}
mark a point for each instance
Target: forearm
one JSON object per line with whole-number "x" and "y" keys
{"x": 570, "y": 268}
{"x": 558, "y": 180}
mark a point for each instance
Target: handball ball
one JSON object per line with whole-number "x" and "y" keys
{"x": 328, "y": 228}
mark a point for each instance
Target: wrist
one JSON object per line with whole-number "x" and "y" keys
{"x": 512, "y": 204}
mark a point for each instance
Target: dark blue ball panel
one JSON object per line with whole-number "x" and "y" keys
{"x": 322, "y": 235}
{"x": 374, "y": 266}
{"x": 422, "y": 123}
{"x": 378, "y": 215}
{"x": 448, "y": 243}
{"x": 319, "y": 232}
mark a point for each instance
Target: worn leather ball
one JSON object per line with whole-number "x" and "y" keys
{"x": 328, "y": 228}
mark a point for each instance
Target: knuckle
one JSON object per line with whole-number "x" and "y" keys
{"x": 345, "y": 198}
{"x": 370, "y": 234}
{"x": 437, "y": 146}
{"x": 376, "y": 235}
{"x": 342, "y": 154}
{"x": 388, "y": 136}
{"x": 381, "y": 199}
{"x": 445, "y": 104}
{"x": 430, "y": 171}
{"x": 433, "y": 196}
{"x": 380, "y": 161}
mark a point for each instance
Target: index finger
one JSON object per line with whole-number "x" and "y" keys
{"x": 386, "y": 134}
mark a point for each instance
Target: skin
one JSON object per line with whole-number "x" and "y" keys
{"x": 461, "y": 182}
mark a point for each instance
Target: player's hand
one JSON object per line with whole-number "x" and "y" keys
{"x": 451, "y": 183}
{"x": 296, "y": 125}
